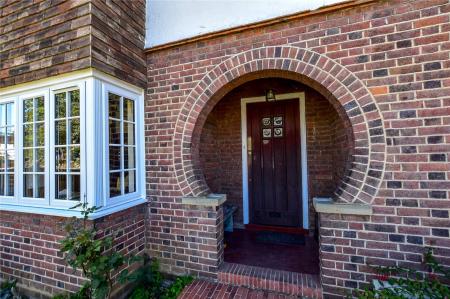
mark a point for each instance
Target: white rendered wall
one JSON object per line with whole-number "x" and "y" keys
{"x": 172, "y": 20}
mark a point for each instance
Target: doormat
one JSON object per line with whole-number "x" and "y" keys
{"x": 278, "y": 238}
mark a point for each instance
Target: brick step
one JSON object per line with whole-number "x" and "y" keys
{"x": 290, "y": 283}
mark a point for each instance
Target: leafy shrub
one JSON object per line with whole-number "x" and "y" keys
{"x": 149, "y": 283}
{"x": 96, "y": 257}
{"x": 409, "y": 284}
{"x": 8, "y": 290}
{"x": 177, "y": 287}
{"x": 100, "y": 263}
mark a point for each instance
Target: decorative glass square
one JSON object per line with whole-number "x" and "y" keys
{"x": 278, "y": 121}
{"x": 267, "y": 133}
{"x": 278, "y": 132}
{"x": 266, "y": 121}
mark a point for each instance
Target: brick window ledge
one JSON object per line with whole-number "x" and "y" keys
{"x": 326, "y": 205}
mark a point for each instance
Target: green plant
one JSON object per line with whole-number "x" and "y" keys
{"x": 149, "y": 284}
{"x": 147, "y": 280}
{"x": 94, "y": 256}
{"x": 177, "y": 287}
{"x": 408, "y": 283}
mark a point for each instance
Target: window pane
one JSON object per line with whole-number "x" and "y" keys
{"x": 2, "y": 136}
{"x": 2, "y": 115}
{"x": 130, "y": 181}
{"x": 28, "y": 160}
{"x": 40, "y": 160}
{"x": 28, "y": 135}
{"x": 10, "y": 159}
{"x": 128, "y": 109}
{"x": 114, "y": 157}
{"x": 114, "y": 132}
{"x": 40, "y": 185}
{"x": 28, "y": 185}
{"x": 2, "y": 184}
{"x": 60, "y": 132}
{"x": 114, "y": 184}
{"x": 10, "y": 185}
{"x": 61, "y": 159}
{"x": 10, "y": 114}
{"x": 75, "y": 158}
{"x": 61, "y": 186}
{"x": 2, "y": 160}
{"x": 40, "y": 115}
{"x": 10, "y": 137}
{"x": 28, "y": 110}
{"x": 75, "y": 184}
{"x": 128, "y": 134}
{"x": 67, "y": 158}
{"x": 40, "y": 134}
{"x": 74, "y": 105}
{"x": 114, "y": 106}
{"x": 129, "y": 160}
{"x": 60, "y": 105}
{"x": 74, "y": 131}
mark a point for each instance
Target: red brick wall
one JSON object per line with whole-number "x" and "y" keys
{"x": 220, "y": 142}
{"x": 39, "y": 39}
{"x": 29, "y": 247}
{"x": 387, "y": 64}
{"x": 186, "y": 239}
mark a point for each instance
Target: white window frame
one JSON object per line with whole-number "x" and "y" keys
{"x": 39, "y": 202}
{"x": 138, "y": 108}
{"x": 13, "y": 199}
{"x": 55, "y": 90}
{"x": 94, "y": 169}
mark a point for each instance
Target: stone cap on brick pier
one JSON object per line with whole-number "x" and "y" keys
{"x": 210, "y": 200}
{"x": 328, "y": 206}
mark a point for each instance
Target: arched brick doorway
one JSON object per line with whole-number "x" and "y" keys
{"x": 326, "y": 142}
{"x": 344, "y": 90}
{"x": 224, "y": 161}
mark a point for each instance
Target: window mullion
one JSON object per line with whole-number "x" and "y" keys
{"x": 34, "y": 160}
{"x": 122, "y": 150}
{"x": 68, "y": 157}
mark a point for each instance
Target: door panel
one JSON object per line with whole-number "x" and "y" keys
{"x": 274, "y": 163}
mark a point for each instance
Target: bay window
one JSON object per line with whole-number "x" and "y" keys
{"x": 74, "y": 140}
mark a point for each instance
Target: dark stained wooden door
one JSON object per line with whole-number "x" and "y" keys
{"x": 273, "y": 131}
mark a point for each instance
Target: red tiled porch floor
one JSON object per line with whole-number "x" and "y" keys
{"x": 241, "y": 248}
{"x": 201, "y": 289}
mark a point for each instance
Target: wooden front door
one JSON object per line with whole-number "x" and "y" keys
{"x": 274, "y": 171}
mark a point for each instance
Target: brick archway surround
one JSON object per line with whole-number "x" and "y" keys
{"x": 361, "y": 182}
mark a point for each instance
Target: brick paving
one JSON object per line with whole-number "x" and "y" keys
{"x": 201, "y": 289}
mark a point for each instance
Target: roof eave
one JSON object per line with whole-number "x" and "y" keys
{"x": 259, "y": 24}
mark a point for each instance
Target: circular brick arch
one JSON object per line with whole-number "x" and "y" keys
{"x": 364, "y": 176}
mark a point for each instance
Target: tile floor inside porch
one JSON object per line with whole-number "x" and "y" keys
{"x": 242, "y": 248}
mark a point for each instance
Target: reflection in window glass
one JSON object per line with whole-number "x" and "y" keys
{"x": 122, "y": 145}
{"x": 33, "y": 147}
{"x": 7, "y": 153}
{"x": 67, "y": 145}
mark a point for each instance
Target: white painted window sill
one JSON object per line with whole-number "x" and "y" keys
{"x": 328, "y": 206}
{"x": 65, "y": 212}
